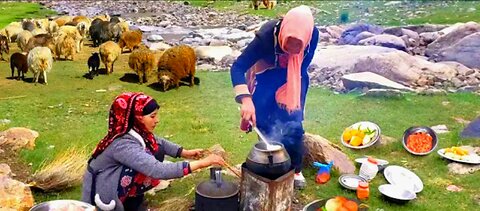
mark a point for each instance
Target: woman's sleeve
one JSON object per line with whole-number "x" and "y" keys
{"x": 131, "y": 153}
{"x": 312, "y": 48}
{"x": 171, "y": 149}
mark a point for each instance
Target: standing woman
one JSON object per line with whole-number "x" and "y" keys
{"x": 128, "y": 161}
{"x": 271, "y": 81}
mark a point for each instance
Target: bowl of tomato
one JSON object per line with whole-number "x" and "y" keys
{"x": 420, "y": 140}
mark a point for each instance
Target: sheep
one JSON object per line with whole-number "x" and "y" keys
{"x": 269, "y": 4}
{"x": 40, "y": 60}
{"x": 130, "y": 39}
{"x": 43, "y": 40}
{"x": 109, "y": 53}
{"x": 11, "y": 31}
{"x": 123, "y": 26}
{"x": 19, "y": 61}
{"x": 38, "y": 31}
{"x": 143, "y": 62}
{"x": 42, "y": 23}
{"x": 100, "y": 32}
{"x": 22, "y": 39}
{"x": 28, "y": 25}
{"x": 115, "y": 19}
{"x": 105, "y": 17}
{"x": 63, "y": 20}
{"x": 176, "y": 63}
{"x": 52, "y": 27}
{"x": 4, "y": 46}
{"x": 81, "y": 18}
{"x": 65, "y": 46}
{"x": 83, "y": 27}
{"x": 93, "y": 64}
{"x": 72, "y": 32}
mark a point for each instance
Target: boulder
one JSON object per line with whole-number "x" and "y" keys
{"x": 466, "y": 51}
{"x": 451, "y": 36}
{"x": 14, "y": 195}
{"x": 371, "y": 81}
{"x": 18, "y": 137}
{"x": 321, "y": 150}
{"x": 390, "y": 63}
{"x": 158, "y": 46}
{"x": 385, "y": 40}
{"x": 459, "y": 168}
{"x": 155, "y": 38}
{"x": 348, "y": 36}
{"x": 215, "y": 52}
{"x": 334, "y": 31}
{"x": 425, "y": 28}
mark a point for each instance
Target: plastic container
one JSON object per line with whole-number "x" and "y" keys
{"x": 323, "y": 174}
{"x": 363, "y": 191}
{"x": 369, "y": 169}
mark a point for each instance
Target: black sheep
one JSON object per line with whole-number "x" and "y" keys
{"x": 100, "y": 33}
{"x": 4, "y": 46}
{"x": 93, "y": 64}
{"x": 19, "y": 61}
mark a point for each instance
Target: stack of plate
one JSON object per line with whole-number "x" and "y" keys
{"x": 404, "y": 184}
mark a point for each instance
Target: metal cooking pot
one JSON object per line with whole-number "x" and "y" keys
{"x": 270, "y": 163}
{"x": 63, "y": 205}
{"x": 216, "y": 194}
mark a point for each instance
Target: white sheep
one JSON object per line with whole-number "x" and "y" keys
{"x": 40, "y": 60}
{"x": 22, "y": 39}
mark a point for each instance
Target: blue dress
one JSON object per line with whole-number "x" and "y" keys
{"x": 275, "y": 122}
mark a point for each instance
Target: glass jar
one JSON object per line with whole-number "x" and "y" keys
{"x": 363, "y": 191}
{"x": 369, "y": 169}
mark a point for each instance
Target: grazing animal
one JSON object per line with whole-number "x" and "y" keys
{"x": 4, "y": 46}
{"x": 72, "y": 32}
{"x": 42, "y": 40}
{"x": 28, "y": 25}
{"x": 19, "y": 61}
{"x": 40, "y": 61}
{"x": 66, "y": 47}
{"x": 143, "y": 62}
{"x": 100, "y": 32}
{"x": 42, "y": 23}
{"x": 63, "y": 20}
{"x": 93, "y": 64}
{"x": 130, "y": 39}
{"x": 176, "y": 63}
{"x": 22, "y": 39}
{"x": 269, "y": 4}
{"x": 12, "y": 30}
{"x": 38, "y": 31}
{"x": 109, "y": 53}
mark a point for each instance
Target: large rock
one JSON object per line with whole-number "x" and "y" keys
{"x": 348, "y": 36}
{"x": 451, "y": 36}
{"x": 321, "y": 150}
{"x": 390, "y": 63}
{"x": 18, "y": 137}
{"x": 215, "y": 52}
{"x": 459, "y": 168}
{"x": 425, "y": 28}
{"x": 371, "y": 81}
{"x": 14, "y": 195}
{"x": 466, "y": 51}
{"x": 385, "y": 40}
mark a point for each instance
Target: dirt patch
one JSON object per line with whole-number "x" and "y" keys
{"x": 20, "y": 169}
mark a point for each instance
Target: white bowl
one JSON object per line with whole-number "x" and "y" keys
{"x": 397, "y": 193}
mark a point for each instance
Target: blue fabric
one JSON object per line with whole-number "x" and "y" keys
{"x": 274, "y": 121}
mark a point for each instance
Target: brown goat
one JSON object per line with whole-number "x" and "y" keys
{"x": 175, "y": 64}
{"x": 130, "y": 39}
{"x": 43, "y": 40}
{"x": 4, "y": 46}
{"x": 142, "y": 61}
{"x": 19, "y": 61}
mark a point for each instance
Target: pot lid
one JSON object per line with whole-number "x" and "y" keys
{"x": 216, "y": 187}
{"x": 211, "y": 189}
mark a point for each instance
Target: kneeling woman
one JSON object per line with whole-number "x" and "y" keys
{"x": 129, "y": 160}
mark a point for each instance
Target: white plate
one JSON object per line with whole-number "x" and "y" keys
{"x": 476, "y": 158}
{"x": 363, "y": 124}
{"x": 398, "y": 175}
{"x": 350, "y": 181}
{"x": 397, "y": 192}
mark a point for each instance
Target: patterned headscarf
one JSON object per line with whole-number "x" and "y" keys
{"x": 125, "y": 114}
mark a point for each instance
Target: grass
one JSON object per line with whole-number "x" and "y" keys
{"x": 20, "y": 10}
{"x": 69, "y": 112}
{"x": 374, "y": 12}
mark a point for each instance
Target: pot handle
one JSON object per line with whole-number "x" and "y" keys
{"x": 270, "y": 160}
{"x": 216, "y": 175}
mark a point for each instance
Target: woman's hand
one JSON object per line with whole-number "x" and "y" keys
{"x": 192, "y": 153}
{"x": 248, "y": 110}
{"x": 212, "y": 159}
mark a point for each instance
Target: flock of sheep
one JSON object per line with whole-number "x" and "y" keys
{"x": 43, "y": 41}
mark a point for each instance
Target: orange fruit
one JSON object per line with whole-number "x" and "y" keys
{"x": 351, "y": 206}
{"x": 356, "y": 141}
{"x": 347, "y": 135}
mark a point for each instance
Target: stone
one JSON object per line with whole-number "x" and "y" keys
{"x": 454, "y": 188}
{"x": 18, "y": 138}
{"x": 14, "y": 194}
{"x": 459, "y": 168}
{"x": 215, "y": 52}
{"x": 215, "y": 42}
{"x": 371, "y": 81}
{"x": 159, "y": 46}
{"x": 457, "y": 82}
{"x": 321, "y": 150}
{"x": 155, "y": 38}
{"x": 385, "y": 40}
{"x": 450, "y": 37}
{"x": 5, "y": 169}
{"x": 164, "y": 184}
{"x": 439, "y": 129}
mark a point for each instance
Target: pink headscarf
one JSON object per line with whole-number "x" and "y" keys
{"x": 297, "y": 23}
